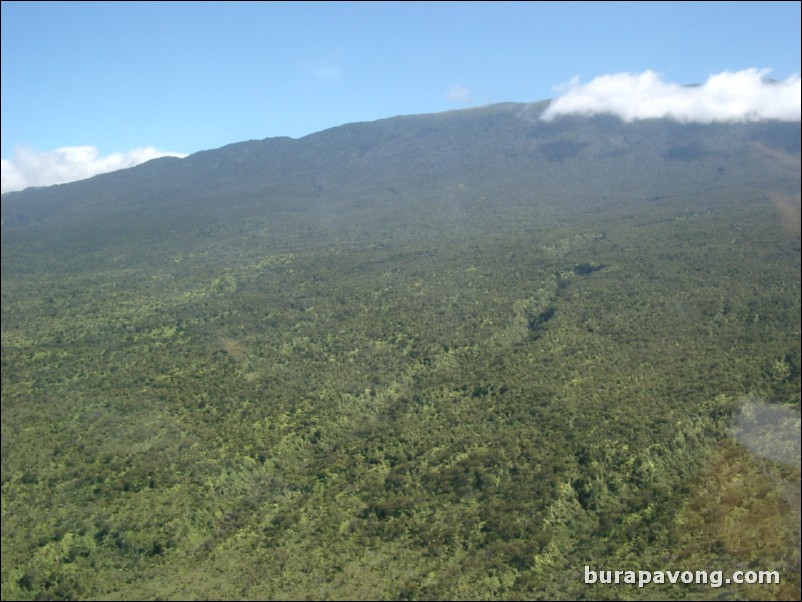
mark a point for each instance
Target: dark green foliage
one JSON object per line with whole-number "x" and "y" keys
{"x": 457, "y": 356}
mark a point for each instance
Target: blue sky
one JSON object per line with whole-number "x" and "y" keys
{"x": 114, "y": 81}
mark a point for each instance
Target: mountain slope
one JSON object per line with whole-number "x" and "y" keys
{"x": 501, "y": 154}
{"x": 451, "y": 356}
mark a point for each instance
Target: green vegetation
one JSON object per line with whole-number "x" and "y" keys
{"x": 471, "y": 400}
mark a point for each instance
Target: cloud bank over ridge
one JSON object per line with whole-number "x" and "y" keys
{"x": 729, "y": 96}
{"x": 68, "y": 164}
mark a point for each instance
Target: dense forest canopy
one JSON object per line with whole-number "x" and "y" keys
{"x": 453, "y": 356}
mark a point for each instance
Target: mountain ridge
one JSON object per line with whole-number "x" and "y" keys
{"x": 451, "y": 356}
{"x": 507, "y": 130}
{"x": 462, "y": 172}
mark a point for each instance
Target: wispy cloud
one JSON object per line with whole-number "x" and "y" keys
{"x": 459, "y": 93}
{"x": 729, "y": 96}
{"x": 330, "y": 73}
{"x": 33, "y": 168}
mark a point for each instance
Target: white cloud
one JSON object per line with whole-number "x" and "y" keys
{"x": 68, "y": 164}
{"x": 459, "y": 93}
{"x": 769, "y": 431}
{"x": 331, "y": 73}
{"x": 729, "y": 96}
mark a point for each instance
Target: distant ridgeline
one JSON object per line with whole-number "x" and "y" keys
{"x": 439, "y": 166}
{"x": 468, "y": 355}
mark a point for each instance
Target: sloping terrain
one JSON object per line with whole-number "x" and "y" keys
{"x": 451, "y": 356}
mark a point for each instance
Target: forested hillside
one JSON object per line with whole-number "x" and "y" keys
{"x": 451, "y": 356}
